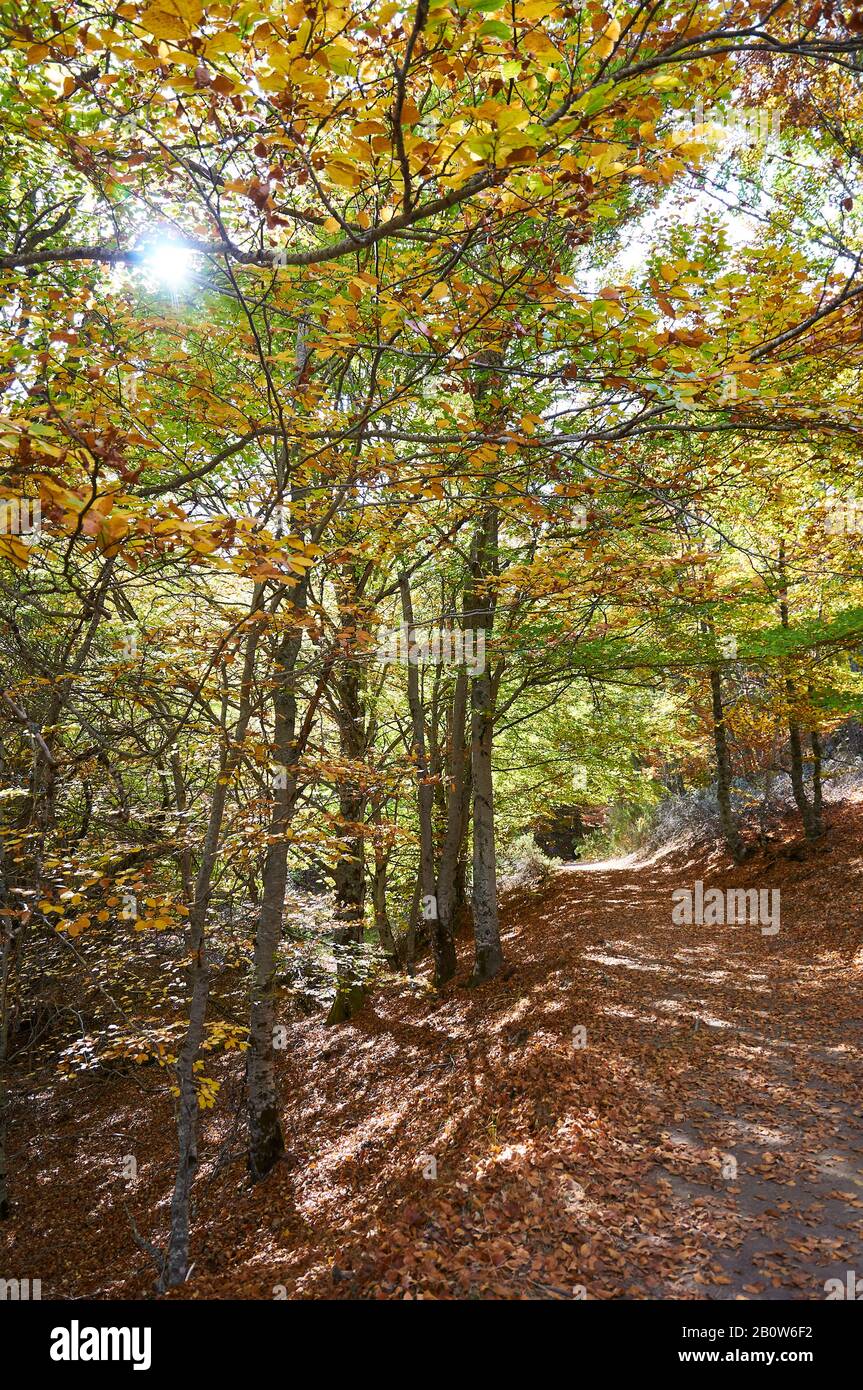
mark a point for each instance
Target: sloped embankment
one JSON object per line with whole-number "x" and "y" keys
{"x": 704, "y": 1142}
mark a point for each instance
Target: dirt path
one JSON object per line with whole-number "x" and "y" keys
{"x": 766, "y": 1136}
{"x": 705, "y": 1142}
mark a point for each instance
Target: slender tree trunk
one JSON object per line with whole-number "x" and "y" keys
{"x": 817, "y": 787}
{"x": 350, "y": 870}
{"x": 5, "y": 979}
{"x": 795, "y": 739}
{"x": 176, "y": 1264}
{"x": 265, "y": 1140}
{"x": 488, "y": 954}
{"x": 350, "y": 874}
{"x": 456, "y": 820}
{"x": 442, "y": 947}
{"x": 764, "y": 810}
{"x": 177, "y": 1258}
{"x": 461, "y": 904}
{"x": 383, "y": 926}
{"x": 184, "y": 859}
{"x": 798, "y": 774}
{"x": 723, "y": 770}
{"x": 382, "y": 849}
{"x": 349, "y": 707}
{"x": 413, "y": 918}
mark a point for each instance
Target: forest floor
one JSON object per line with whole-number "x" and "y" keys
{"x": 704, "y": 1143}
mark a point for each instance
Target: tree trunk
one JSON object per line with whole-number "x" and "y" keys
{"x": 413, "y": 918}
{"x": 456, "y": 820}
{"x": 795, "y": 740}
{"x": 461, "y": 905}
{"x": 798, "y": 775}
{"x": 489, "y": 957}
{"x": 442, "y": 946}
{"x": 488, "y": 954}
{"x": 176, "y": 1264}
{"x": 5, "y": 978}
{"x": 177, "y": 1258}
{"x": 382, "y": 923}
{"x": 265, "y": 1140}
{"x": 383, "y": 926}
{"x": 350, "y": 870}
{"x": 723, "y": 770}
{"x": 817, "y": 787}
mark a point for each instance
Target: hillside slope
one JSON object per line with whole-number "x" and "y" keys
{"x": 603, "y": 1171}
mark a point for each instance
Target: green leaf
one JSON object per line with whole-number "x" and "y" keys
{"x": 496, "y": 29}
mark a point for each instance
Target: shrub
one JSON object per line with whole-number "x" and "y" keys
{"x": 522, "y": 864}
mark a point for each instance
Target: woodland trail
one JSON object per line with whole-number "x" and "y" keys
{"x": 603, "y": 1171}
{"x": 776, "y": 1098}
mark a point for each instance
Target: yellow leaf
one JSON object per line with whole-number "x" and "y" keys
{"x": 537, "y": 9}
{"x": 15, "y": 550}
{"x": 343, "y": 174}
{"x": 223, "y": 43}
{"x": 172, "y": 19}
